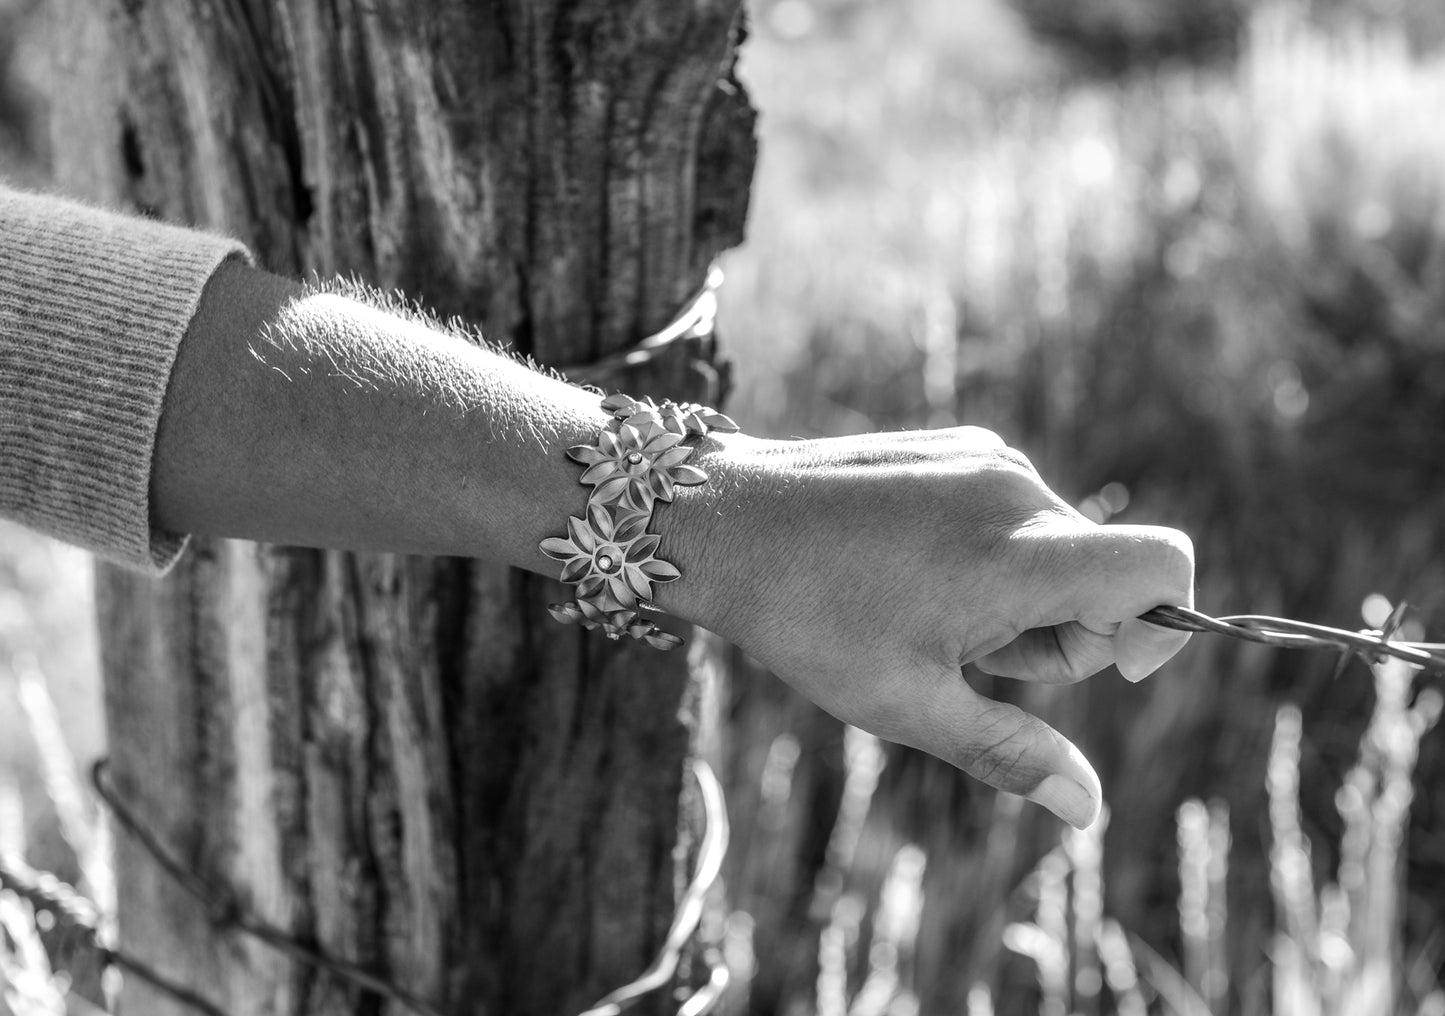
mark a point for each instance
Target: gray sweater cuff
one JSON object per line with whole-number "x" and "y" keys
{"x": 93, "y": 306}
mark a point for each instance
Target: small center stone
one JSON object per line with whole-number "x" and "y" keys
{"x": 604, "y": 562}
{"x": 635, "y": 458}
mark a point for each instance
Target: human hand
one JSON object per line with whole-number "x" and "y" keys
{"x": 867, "y": 571}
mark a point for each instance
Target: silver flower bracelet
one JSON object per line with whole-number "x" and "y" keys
{"x": 639, "y": 459}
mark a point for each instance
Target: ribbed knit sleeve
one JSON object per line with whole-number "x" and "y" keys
{"x": 93, "y": 306}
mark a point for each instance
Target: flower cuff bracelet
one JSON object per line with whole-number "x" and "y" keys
{"x": 640, "y": 458}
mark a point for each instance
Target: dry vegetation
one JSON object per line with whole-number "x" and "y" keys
{"x": 1205, "y": 295}
{"x": 1199, "y": 295}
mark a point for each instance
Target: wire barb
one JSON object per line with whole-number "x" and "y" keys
{"x": 1287, "y": 634}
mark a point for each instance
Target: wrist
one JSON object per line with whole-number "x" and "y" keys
{"x": 711, "y": 533}
{"x": 642, "y": 459}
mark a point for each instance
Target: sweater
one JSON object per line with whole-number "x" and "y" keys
{"x": 93, "y": 307}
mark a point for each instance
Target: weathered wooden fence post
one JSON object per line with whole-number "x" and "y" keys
{"x": 404, "y": 761}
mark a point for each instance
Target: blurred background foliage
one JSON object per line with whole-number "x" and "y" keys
{"x": 1189, "y": 255}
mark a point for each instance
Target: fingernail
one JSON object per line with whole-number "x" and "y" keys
{"x": 1135, "y": 671}
{"x": 1066, "y": 799}
{"x": 1142, "y": 648}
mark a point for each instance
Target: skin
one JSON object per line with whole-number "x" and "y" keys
{"x": 865, "y": 571}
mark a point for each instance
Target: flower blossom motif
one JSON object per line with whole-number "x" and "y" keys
{"x": 637, "y": 461}
{"x": 611, "y": 560}
{"x": 684, "y": 419}
{"x": 636, "y": 465}
{"x": 616, "y": 624}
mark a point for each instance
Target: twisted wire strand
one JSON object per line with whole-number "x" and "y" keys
{"x": 1288, "y": 634}
{"x": 696, "y": 320}
{"x": 227, "y": 912}
{"x": 706, "y": 998}
{"x": 46, "y": 892}
{"x": 687, "y": 916}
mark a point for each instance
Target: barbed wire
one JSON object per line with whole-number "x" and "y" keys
{"x": 1284, "y": 633}
{"x": 687, "y": 916}
{"x": 71, "y": 908}
{"x": 226, "y": 911}
{"x": 696, "y": 320}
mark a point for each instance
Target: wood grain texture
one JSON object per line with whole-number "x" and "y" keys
{"x": 405, "y": 761}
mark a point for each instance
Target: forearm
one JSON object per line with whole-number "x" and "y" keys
{"x": 865, "y": 571}
{"x": 312, "y": 419}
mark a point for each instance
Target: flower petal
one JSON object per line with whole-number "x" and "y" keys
{"x": 559, "y": 549}
{"x": 630, "y": 525}
{"x": 659, "y": 570}
{"x": 673, "y": 457}
{"x": 688, "y": 476}
{"x": 589, "y": 587}
{"x": 600, "y": 519}
{"x": 567, "y": 613}
{"x": 661, "y": 442}
{"x": 659, "y": 639}
{"x": 634, "y": 582}
{"x": 622, "y": 590}
{"x": 599, "y": 471}
{"x": 637, "y": 501}
{"x": 574, "y": 569}
{"x": 717, "y": 421}
{"x": 591, "y": 611}
{"x": 643, "y": 548}
{"x": 586, "y": 454}
{"x": 611, "y": 489}
{"x": 581, "y": 535}
{"x": 661, "y": 485}
{"x": 607, "y": 444}
{"x": 618, "y": 402}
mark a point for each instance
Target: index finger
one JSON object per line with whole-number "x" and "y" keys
{"x": 1090, "y": 584}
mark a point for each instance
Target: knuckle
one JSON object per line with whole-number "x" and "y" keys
{"x": 1176, "y": 557}
{"x": 1015, "y": 459}
{"x": 1165, "y": 555}
{"x": 980, "y": 437}
{"x": 1013, "y": 479}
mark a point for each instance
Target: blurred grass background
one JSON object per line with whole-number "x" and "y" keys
{"x": 1190, "y": 257}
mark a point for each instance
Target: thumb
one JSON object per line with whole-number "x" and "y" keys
{"x": 1009, "y": 749}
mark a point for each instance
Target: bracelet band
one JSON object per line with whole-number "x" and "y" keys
{"x": 639, "y": 459}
